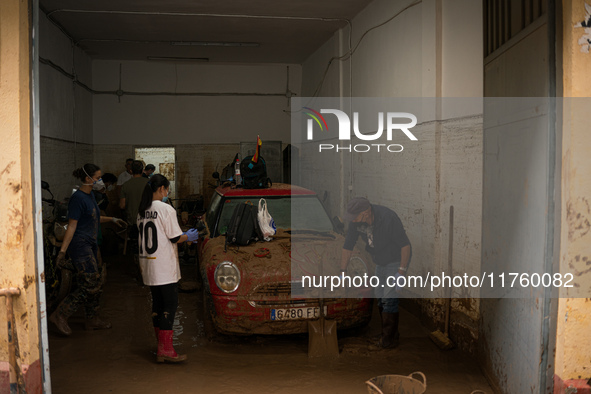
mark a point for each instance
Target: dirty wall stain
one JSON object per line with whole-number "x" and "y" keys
{"x": 577, "y": 215}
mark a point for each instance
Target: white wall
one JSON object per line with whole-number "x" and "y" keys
{"x": 399, "y": 59}
{"x": 388, "y": 63}
{"x": 516, "y": 207}
{"x": 423, "y": 52}
{"x": 169, "y": 119}
{"x": 79, "y": 127}
{"x": 462, "y": 49}
{"x": 65, "y": 109}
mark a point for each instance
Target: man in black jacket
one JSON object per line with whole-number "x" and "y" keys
{"x": 388, "y": 244}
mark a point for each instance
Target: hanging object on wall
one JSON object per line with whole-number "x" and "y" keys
{"x": 585, "y": 40}
{"x": 255, "y": 157}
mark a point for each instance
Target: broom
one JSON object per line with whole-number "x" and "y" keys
{"x": 441, "y": 339}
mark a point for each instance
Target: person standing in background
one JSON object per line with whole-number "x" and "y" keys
{"x": 125, "y": 175}
{"x": 101, "y": 196}
{"x": 110, "y": 181}
{"x": 149, "y": 170}
{"x": 131, "y": 195}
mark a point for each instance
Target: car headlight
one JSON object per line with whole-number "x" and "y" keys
{"x": 227, "y": 277}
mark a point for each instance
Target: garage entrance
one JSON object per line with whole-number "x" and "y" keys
{"x": 101, "y": 80}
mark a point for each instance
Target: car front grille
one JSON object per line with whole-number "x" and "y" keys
{"x": 280, "y": 295}
{"x": 283, "y": 303}
{"x": 283, "y": 291}
{"x": 273, "y": 290}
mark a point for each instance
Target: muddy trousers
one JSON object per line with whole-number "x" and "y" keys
{"x": 88, "y": 280}
{"x": 165, "y": 300}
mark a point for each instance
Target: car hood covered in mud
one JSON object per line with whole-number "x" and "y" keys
{"x": 267, "y": 268}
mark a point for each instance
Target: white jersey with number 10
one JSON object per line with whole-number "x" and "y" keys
{"x": 159, "y": 259}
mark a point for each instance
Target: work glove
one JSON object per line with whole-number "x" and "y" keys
{"x": 61, "y": 260}
{"x": 119, "y": 222}
{"x": 192, "y": 235}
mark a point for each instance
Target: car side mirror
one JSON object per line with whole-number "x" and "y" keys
{"x": 339, "y": 226}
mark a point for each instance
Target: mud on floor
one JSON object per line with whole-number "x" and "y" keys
{"x": 122, "y": 360}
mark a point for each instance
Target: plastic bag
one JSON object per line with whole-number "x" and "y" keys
{"x": 266, "y": 222}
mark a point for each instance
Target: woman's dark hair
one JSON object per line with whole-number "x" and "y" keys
{"x": 90, "y": 170}
{"x": 109, "y": 178}
{"x": 155, "y": 183}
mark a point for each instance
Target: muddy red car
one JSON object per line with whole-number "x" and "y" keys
{"x": 250, "y": 289}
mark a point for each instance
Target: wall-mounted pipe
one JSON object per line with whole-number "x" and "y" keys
{"x": 121, "y": 92}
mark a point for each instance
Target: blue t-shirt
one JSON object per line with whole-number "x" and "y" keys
{"x": 83, "y": 208}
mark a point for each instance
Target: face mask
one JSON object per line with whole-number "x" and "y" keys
{"x": 95, "y": 183}
{"x": 98, "y": 185}
{"x": 165, "y": 198}
{"x": 110, "y": 188}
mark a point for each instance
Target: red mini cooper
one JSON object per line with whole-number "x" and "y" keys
{"x": 252, "y": 289}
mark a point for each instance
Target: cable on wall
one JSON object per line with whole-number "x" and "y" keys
{"x": 120, "y": 92}
{"x": 350, "y": 52}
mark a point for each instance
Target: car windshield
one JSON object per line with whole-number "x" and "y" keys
{"x": 294, "y": 213}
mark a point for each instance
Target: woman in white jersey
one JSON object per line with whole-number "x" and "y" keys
{"x": 159, "y": 232}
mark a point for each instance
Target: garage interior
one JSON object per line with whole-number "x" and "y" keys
{"x": 110, "y": 78}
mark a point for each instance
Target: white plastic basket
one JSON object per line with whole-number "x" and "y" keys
{"x": 397, "y": 384}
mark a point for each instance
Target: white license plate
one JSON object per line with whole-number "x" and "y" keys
{"x": 296, "y": 313}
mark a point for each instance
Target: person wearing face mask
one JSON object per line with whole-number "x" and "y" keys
{"x": 387, "y": 243}
{"x": 159, "y": 232}
{"x": 101, "y": 196}
{"x": 81, "y": 243}
{"x": 110, "y": 181}
{"x": 149, "y": 171}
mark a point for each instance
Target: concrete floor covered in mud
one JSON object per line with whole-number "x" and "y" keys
{"x": 122, "y": 360}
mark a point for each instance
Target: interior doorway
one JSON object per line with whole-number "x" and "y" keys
{"x": 164, "y": 159}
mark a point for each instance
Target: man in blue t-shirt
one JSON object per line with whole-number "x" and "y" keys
{"x": 388, "y": 244}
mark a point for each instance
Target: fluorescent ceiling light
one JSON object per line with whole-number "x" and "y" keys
{"x": 215, "y": 44}
{"x": 178, "y": 59}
